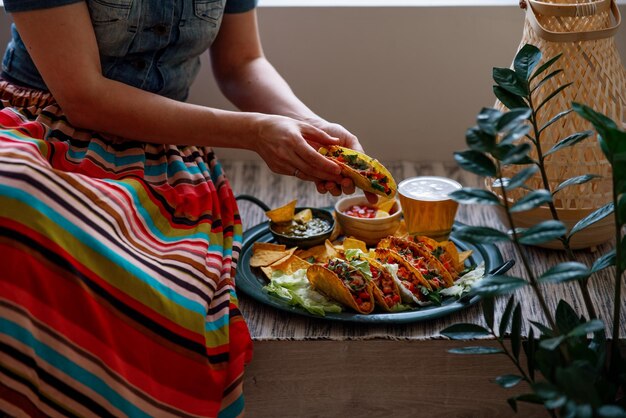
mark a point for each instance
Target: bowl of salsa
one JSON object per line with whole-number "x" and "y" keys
{"x": 365, "y": 221}
{"x": 304, "y": 232}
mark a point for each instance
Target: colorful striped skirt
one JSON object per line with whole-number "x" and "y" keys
{"x": 117, "y": 263}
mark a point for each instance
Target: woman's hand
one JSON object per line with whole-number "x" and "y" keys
{"x": 348, "y": 140}
{"x": 289, "y": 147}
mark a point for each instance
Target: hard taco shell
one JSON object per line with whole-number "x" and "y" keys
{"x": 326, "y": 281}
{"x": 396, "y": 243}
{"x": 378, "y": 292}
{"x": 361, "y": 181}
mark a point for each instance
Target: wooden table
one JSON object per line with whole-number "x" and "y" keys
{"x": 306, "y": 367}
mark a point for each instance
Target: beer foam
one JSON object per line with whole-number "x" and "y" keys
{"x": 428, "y": 188}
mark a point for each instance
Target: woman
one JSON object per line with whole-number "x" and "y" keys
{"x": 119, "y": 232}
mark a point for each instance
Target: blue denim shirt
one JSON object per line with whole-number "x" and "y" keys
{"x": 154, "y": 45}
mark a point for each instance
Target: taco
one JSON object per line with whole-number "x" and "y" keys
{"x": 413, "y": 286}
{"x": 343, "y": 282}
{"x": 386, "y": 290}
{"x": 366, "y": 172}
{"x": 421, "y": 258}
{"x": 445, "y": 252}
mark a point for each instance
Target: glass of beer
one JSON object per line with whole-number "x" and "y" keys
{"x": 426, "y": 206}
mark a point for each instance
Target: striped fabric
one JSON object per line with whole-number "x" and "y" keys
{"x": 117, "y": 262}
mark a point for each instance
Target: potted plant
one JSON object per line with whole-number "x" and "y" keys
{"x": 571, "y": 367}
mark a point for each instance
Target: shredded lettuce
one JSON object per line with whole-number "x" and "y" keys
{"x": 296, "y": 290}
{"x": 465, "y": 282}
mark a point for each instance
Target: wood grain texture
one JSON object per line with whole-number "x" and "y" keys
{"x": 266, "y": 323}
{"x": 377, "y": 379}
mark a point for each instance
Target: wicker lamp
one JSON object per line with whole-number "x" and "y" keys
{"x": 584, "y": 33}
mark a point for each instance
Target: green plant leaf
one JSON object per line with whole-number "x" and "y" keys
{"x": 532, "y": 200}
{"x": 575, "y": 180}
{"x": 555, "y": 118}
{"x": 526, "y": 60}
{"x": 529, "y": 348}
{"x": 587, "y": 327}
{"x": 555, "y": 403}
{"x": 512, "y": 403}
{"x": 476, "y": 350}
{"x": 543, "y": 232}
{"x": 600, "y": 122}
{"x": 619, "y": 171}
{"x": 544, "y": 330}
{"x": 516, "y": 331}
{"x": 607, "y": 260}
{"x": 515, "y": 154}
{"x": 551, "y": 344}
{"x": 479, "y": 234}
{"x": 565, "y": 272}
{"x": 621, "y": 207}
{"x": 487, "y": 120}
{"x": 521, "y": 177}
{"x": 545, "y": 66}
{"x": 506, "y": 316}
{"x": 552, "y": 95}
{"x": 545, "y": 80}
{"x": 512, "y": 119}
{"x": 529, "y": 398}
{"x": 515, "y": 134}
{"x": 498, "y": 285}
{"x": 471, "y": 196}
{"x": 566, "y": 317}
{"x": 510, "y": 100}
{"x": 479, "y": 140}
{"x": 569, "y": 141}
{"x": 508, "y": 380}
{"x": 488, "y": 306}
{"x": 611, "y": 411}
{"x": 475, "y": 162}
{"x": 510, "y": 81}
{"x": 592, "y": 218}
{"x": 465, "y": 332}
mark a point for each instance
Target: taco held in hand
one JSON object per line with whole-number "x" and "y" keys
{"x": 366, "y": 172}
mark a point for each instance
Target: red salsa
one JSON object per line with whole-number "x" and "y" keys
{"x": 361, "y": 211}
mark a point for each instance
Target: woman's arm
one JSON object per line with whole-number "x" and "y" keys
{"x": 251, "y": 83}
{"x": 66, "y": 55}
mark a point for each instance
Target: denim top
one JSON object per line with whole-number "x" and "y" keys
{"x": 154, "y": 45}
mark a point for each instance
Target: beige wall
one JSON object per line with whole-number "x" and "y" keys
{"x": 407, "y": 80}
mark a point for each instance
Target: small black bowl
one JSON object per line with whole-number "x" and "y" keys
{"x": 310, "y": 241}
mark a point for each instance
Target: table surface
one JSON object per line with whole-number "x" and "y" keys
{"x": 269, "y": 324}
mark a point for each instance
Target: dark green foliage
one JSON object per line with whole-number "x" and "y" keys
{"x": 571, "y": 369}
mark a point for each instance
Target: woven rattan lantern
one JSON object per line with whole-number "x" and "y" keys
{"x": 584, "y": 33}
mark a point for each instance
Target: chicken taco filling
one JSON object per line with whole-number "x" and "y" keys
{"x": 408, "y": 279}
{"x": 386, "y": 285}
{"x": 354, "y": 280}
{"x": 378, "y": 180}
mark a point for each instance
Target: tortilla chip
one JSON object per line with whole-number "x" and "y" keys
{"x": 454, "y": 254}
{"x": 351, "y": 243}
{"x": 327, "y": 282}
{"x": 282, "y": 214}
{"x": 264, "y": 258}
{"x": 464, "y": 255}
{"x": 401, "y": 232}
{"x": 303, "y": 216}
{"x": 360, "y": 180}
{"x": 287, "y": 265}
{"x": 385, "y": 204}
{"x": 331, "y": 250}
{"x": 258, "y": 246}
{"x": 313, "y": 255}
